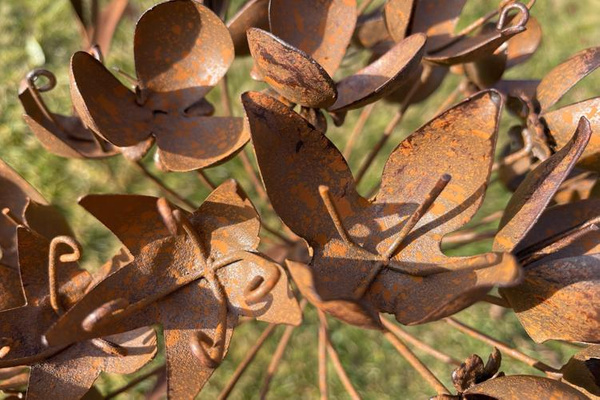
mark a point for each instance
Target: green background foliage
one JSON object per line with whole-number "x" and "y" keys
{"x": 36, "y": 33}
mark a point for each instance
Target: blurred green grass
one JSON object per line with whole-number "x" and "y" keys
{"x": 35, "y": 33}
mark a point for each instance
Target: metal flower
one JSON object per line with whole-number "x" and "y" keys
{"x": 52, "y": 282}
{"x": 306, "y": 46}
{"x": 558, "y": 248}
{"x": 194, "y": 274}
{"x": 181, "y": 51}
{"x": 21, "y": 204}
{"x": 385, "y": 253}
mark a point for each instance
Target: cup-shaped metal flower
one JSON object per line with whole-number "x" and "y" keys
{"x": 386, "y": 250}
{"x": 181, "y": 51}
{"x": 194, "y": 274}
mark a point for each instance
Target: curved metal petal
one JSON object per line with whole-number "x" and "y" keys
{"x": 440, "y": 295}
{"x": 560, "y": 299}
{"x": 71, "y": 139}
{"x": 320, "y": 28}
{"x": 563, "y": 121}
{"x": 357, "y": 313}
{"x": 470, "y": 49}
{"x": 291, "y": 72}
{"x": 105, "y": 105}
{"x": 566, "y": 75}
{"x": 190, "y": 143}
{"x": 521, "y": 47}
{"x": 254, "y": 14}
{"x": 517, "y": 387}
{"x": 582, "y": 371}
{"x": 535, "y": 192}
{"x": 437, "y": 19}
{"x": 397, "y": 15}
{"x": 382, "y": 77}
{"x": 182, "y": 49}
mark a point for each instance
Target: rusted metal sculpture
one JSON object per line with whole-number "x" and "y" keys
{"x": 197, "y": 270}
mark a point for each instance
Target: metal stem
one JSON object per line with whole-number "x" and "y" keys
{"x": 162, "y": 186}
{"x": 417, "y": 364}
{"x": 358, "y": 128}
{"x": 506, "y": 349}
{"x": 403, "y": 335}
{"x": 135, "y": 382}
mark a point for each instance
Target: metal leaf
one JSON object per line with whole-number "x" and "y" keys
{"x": 558, "y": 300}
{"x": 538, "y": 188}
{"x": 437, "y": 19}
{"x": 566, "y": 75}
{"x": 382, "y": 77}
{"x": 253, "y": 14}
{"x": 517, "y": 387}
{"x": 347, "y": 262}
{"x": 563, "y": 121}
{"x": 291, "y": 72}
{"x": 371, "y": 30}
{"x": 397, "y": 15}
{"x": 583, "y": 370}
{"x": 320, "y": 28}
{"x": 72, "y": 372}
{"x": 171, "y": 282}
{"x": 181, "y": 49}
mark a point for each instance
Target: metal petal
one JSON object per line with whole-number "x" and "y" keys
{"x": 467, "y": 131}
{"x": 291, "y": 72}
{"x": 382, "y": 77}
{"x": 71, "y": 139}
{"x": 517, "y": 387}
{"x": 437, "y": 19}
{"x": 397, "y": 15}
{"x": 105, "y": 105}
{"x": 470, "y": 49}
{"x": 253, "y": 14}
{"x": 563, "y": 121}
{"x": 371, "y": 30}
{"x": 566, "y": 75}
{"x": 521, "y": 47}
{"x": 570, "y": 216}
{"x": 425, "y": 299}
{"x": 189, "y": 143}
{"x": 306, "y": 159}
{"x": 536, "y": 191}
{"x": 134, "y": 219}
{"x": 320, "y": 28}
{"x": 582, "y": 371}
{"x": 559, "y": 300}
{"x": 182, "y": 49}
{"x": 353, "y": 312}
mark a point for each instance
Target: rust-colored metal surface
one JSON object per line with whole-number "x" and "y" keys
{"x": 517, "y": 387}
{"x": 253, "y": 14}
{"x": 291, "y": 72}
{"x": 203, "y": 263}
{"x": 393, "y": 241}
{"x": 537, "y": 190}
{"x": 382, "y": 77}
{"x": 65, "y": 136}
{"x": 200, "y": 52}
{"x": 320, "y": 28}
{"x": 582, "y": 371}
{"x": 397, "y": 14}
{"x": 473, "y": 371}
